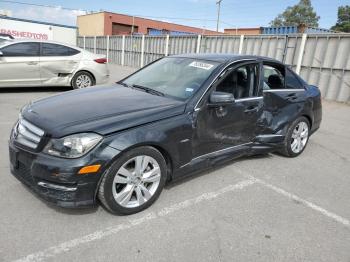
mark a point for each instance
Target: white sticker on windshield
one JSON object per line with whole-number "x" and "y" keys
{"x": 201, "y": 65}
{"x": 188, "y": 89}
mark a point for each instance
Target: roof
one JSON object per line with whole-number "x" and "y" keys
{"x": 223, "y": 58}
{"x": 36, "y": 22}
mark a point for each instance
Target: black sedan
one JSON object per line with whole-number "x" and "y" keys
{"x": 121, "y": 143}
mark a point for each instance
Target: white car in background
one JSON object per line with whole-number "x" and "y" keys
{"x": 25, "y": 63}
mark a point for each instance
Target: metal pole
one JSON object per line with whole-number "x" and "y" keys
{"x": 218, "y": 20}
{"x": 198, "y": 49}
{"x": 240, "y": 49}
{"x": 301, "y": 53}
{"x": 142, "y": 50}
{"x": 123, "y": 50}
{"x": 94, "y": 44}
{"x": 107, "y": 47}
{"x": 84, "y": 42}
{"x": 166, "y": 45}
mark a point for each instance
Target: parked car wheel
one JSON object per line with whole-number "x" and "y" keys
{"x": 134, "y": 181}
{"x": 82, "y": 79}
{"x": 297, "y": 138}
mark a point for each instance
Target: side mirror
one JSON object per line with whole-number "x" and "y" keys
{"x": 220, "y": 98}
{"x": 1, "y": 53}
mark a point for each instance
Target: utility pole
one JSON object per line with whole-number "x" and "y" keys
{"x": 218, "y": 2}
{"x": 133, "y": 25}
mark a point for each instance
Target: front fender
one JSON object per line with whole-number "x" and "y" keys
{"x": 173, "y": 136}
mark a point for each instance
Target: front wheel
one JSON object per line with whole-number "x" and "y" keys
{"x": 82, "y": 79}
{"x": 296, "y": 138}
{"x": 134, "y": 181}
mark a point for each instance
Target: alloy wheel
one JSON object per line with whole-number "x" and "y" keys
{"x": 83, "y": 81}
{"x": 300, "y": 136}
{"x": 136, "y": 181}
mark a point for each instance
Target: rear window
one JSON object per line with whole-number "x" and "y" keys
{"x": 58, "y": 50}
{"x": 292, "y": 82}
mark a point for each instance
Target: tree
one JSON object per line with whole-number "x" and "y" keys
{"x": 343, "y": 23}
{"x": 301, "y": 13}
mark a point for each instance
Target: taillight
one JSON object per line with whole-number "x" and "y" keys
{"x": 101, "y": 60}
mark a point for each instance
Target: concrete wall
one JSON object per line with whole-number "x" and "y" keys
{"x": 91, "y": 24}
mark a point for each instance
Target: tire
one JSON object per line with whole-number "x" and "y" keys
{"x": 82, "y": 79}
{"x": 295, "y": 137}
{"x": 125, "y": 189}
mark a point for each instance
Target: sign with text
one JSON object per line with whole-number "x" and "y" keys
{"x": 20, "y": 29}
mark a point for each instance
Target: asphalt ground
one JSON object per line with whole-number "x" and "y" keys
{"x": 263, "y": 208}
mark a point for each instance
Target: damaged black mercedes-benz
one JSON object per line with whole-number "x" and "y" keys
{"x": 121, "y": 143}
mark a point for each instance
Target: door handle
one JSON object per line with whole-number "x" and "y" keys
{"x": 32, "y": 63}
{"x": 292, "y": 96}
{"x": 251, "y": 109}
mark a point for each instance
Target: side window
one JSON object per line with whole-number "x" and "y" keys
{"x": 21, "y": 49}
{"x": 242, "y": 82}
{"x": 292, "y": 82}
{"x": 57, "y": 50}
{"x": 273, "y": 77}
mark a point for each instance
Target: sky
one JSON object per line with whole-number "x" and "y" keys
{"x": 199, "y": 13}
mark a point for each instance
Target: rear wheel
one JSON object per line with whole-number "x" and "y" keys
{"x": 297, "y": 138}
{"x": 82, "y": 79}
{"x": 134, "y": 181}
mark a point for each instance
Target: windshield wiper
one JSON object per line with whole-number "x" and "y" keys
{"x": 124, "y": 84}
{"x": 148, "y": 90}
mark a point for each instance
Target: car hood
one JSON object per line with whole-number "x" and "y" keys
{"x": 100, "y": 109}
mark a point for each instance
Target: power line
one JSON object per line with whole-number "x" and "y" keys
{"x": 41, "y": 5}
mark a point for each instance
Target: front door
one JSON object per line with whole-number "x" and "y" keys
{"x": 230, "y": 127}
{"x": 19, "y": 65}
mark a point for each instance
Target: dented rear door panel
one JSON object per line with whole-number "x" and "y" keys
{"x": 281, "y": 107}
{"x": 58, "y": 70}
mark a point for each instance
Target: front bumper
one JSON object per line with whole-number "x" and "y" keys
{"x": 56, "y": 180}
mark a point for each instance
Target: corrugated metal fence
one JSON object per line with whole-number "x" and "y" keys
{"x": 321, "y": 59}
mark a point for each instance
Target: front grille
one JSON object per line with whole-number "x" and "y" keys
{"x": 27, "y": 134}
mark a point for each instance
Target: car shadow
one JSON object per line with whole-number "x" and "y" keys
{"x": 38, "y": 89}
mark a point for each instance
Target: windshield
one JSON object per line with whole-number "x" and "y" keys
{"x": 173, "y": 76}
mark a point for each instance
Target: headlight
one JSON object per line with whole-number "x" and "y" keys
{"x": 72, "y": 146}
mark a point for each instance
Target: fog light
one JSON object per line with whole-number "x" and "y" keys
{"x": 89, "y": 169}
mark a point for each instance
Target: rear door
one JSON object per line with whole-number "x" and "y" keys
{"x": 58, "y": 63}
{"x": 19, "y": 65}
{"x": 284, "y": 98}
